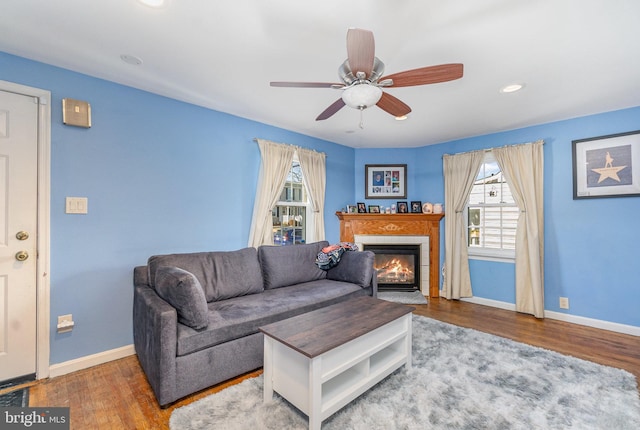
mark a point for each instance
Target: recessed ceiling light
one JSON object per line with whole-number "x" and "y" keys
{"x": 512, "y": 88}
{"x": 131, "y": 59}
{"x": 152, "y": 3}
{"x": 401, "y": 118}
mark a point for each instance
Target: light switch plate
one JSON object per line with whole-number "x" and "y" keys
{"x": 77, "y": 205}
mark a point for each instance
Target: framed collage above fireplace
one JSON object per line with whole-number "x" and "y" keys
{"x": 384, "y": 181}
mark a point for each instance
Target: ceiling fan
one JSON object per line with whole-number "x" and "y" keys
{"x": 362, "y": 80}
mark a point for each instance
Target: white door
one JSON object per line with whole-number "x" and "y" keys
{"x": 18, "y": 234}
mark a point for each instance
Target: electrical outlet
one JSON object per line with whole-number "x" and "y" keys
{"x": 65, "y": 323}
{"x": 564, "y": 303}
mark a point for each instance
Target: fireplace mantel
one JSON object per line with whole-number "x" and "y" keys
{"x": 398, "y": 225}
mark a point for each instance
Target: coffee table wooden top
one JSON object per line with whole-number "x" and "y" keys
{"x": 319, "y": 331}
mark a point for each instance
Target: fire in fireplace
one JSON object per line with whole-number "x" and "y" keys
{"x": 397, "y": 266}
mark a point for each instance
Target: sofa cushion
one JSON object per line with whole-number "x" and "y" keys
{"x": 222, "y": 274}
{"x": 241, "y": 316}
{"x": 236, "y": 273}
{"x": 183, "y": 291}
{"x": 283, "y": 266}
{"x": 354, "y": 266}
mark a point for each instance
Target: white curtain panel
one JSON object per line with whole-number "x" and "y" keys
{"x": 275, "y": 164}
{"x": 313, "y": 165}
{"x": 460, "y": 171}
{"x": 523, "y": 167}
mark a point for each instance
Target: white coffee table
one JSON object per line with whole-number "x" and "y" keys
{"x": 322, "y": 360}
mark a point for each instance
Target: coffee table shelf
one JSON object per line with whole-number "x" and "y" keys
{"x": 320, "y": 381}
{"x": 339, "y": 390}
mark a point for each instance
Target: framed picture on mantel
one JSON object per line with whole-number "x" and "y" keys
{"x": 385, "y": 181}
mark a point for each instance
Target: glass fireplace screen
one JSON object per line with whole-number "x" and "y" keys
{"x": 397, "y": 266}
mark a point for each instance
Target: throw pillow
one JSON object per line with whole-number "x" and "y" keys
{"x": 196, "y": 263}
{"x": 355, "y": 267}
{"x": 183, "y": 291}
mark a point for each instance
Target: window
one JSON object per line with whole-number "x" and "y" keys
{"x": 292, "y": 213}
{"x": 492, "y": 214}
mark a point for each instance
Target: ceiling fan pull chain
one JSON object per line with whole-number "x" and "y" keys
{"x": 361, "y": 119}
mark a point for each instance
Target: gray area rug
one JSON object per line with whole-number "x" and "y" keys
{"x": 406, "y": 297}
{"x": 461, "y": 379}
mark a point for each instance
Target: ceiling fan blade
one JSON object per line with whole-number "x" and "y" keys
{"x": 426, "y": 75}
{"x": 305, "y": 84}
{"x": 328, "y": 112}
{"x": 393, "y": 105}
{"x": 360, "y": 51}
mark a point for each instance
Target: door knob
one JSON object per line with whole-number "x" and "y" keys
{"x": 22, "y": 255}
{"x": 22, "y": 235}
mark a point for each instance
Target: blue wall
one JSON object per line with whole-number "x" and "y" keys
{"x": 590, "y": 245}
{"x": 164, "y": 176}
{"x": 419, "y": 186}
{"x": 161, "y": 176}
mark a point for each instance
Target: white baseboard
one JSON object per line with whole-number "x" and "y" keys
{"x": 489, "y": 302}
{"x": 574, "y": 319}
{"x": 81, "y": 363}
{"x": 590, "y": 322}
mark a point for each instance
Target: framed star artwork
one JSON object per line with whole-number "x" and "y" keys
{"x": 607, "y": 166}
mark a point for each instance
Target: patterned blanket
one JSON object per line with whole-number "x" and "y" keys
{"x": 330, "y": 255}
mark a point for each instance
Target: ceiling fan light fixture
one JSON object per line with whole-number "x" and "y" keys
{"x": 362, "y": 80}
{"x": 361, "y": 96}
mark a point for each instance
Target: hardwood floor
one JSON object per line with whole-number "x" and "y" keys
{"x": 116, "y": 395}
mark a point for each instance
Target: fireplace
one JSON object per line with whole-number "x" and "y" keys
{"x": 397, "y": 266}
{"x": 411, "y": 229}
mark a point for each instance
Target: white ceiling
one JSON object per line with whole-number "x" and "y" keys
{"x": 576, "y": 57}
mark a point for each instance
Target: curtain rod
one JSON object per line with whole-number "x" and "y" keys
{"x": 504, "y": 146}
{"x": 255, "y": 139}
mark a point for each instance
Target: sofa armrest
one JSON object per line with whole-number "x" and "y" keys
{"x": 141, "y": 275}
{"x": 374, "y": 284}
{"x": 155, "y": 339}
{"x": 356, "y": 267}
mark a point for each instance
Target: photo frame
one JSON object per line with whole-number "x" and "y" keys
{"x": 606, "y": 166}
{"x": 352, "y": 209}
{"x": 403, "y": 208}
{"x": 362, "y": 209}
{"x": 384, "y": 181}
{"x": 374, "y": 209}
{"x": 416, "y": 207}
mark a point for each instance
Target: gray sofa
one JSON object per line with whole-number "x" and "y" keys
{"x": 196, "y": 316}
